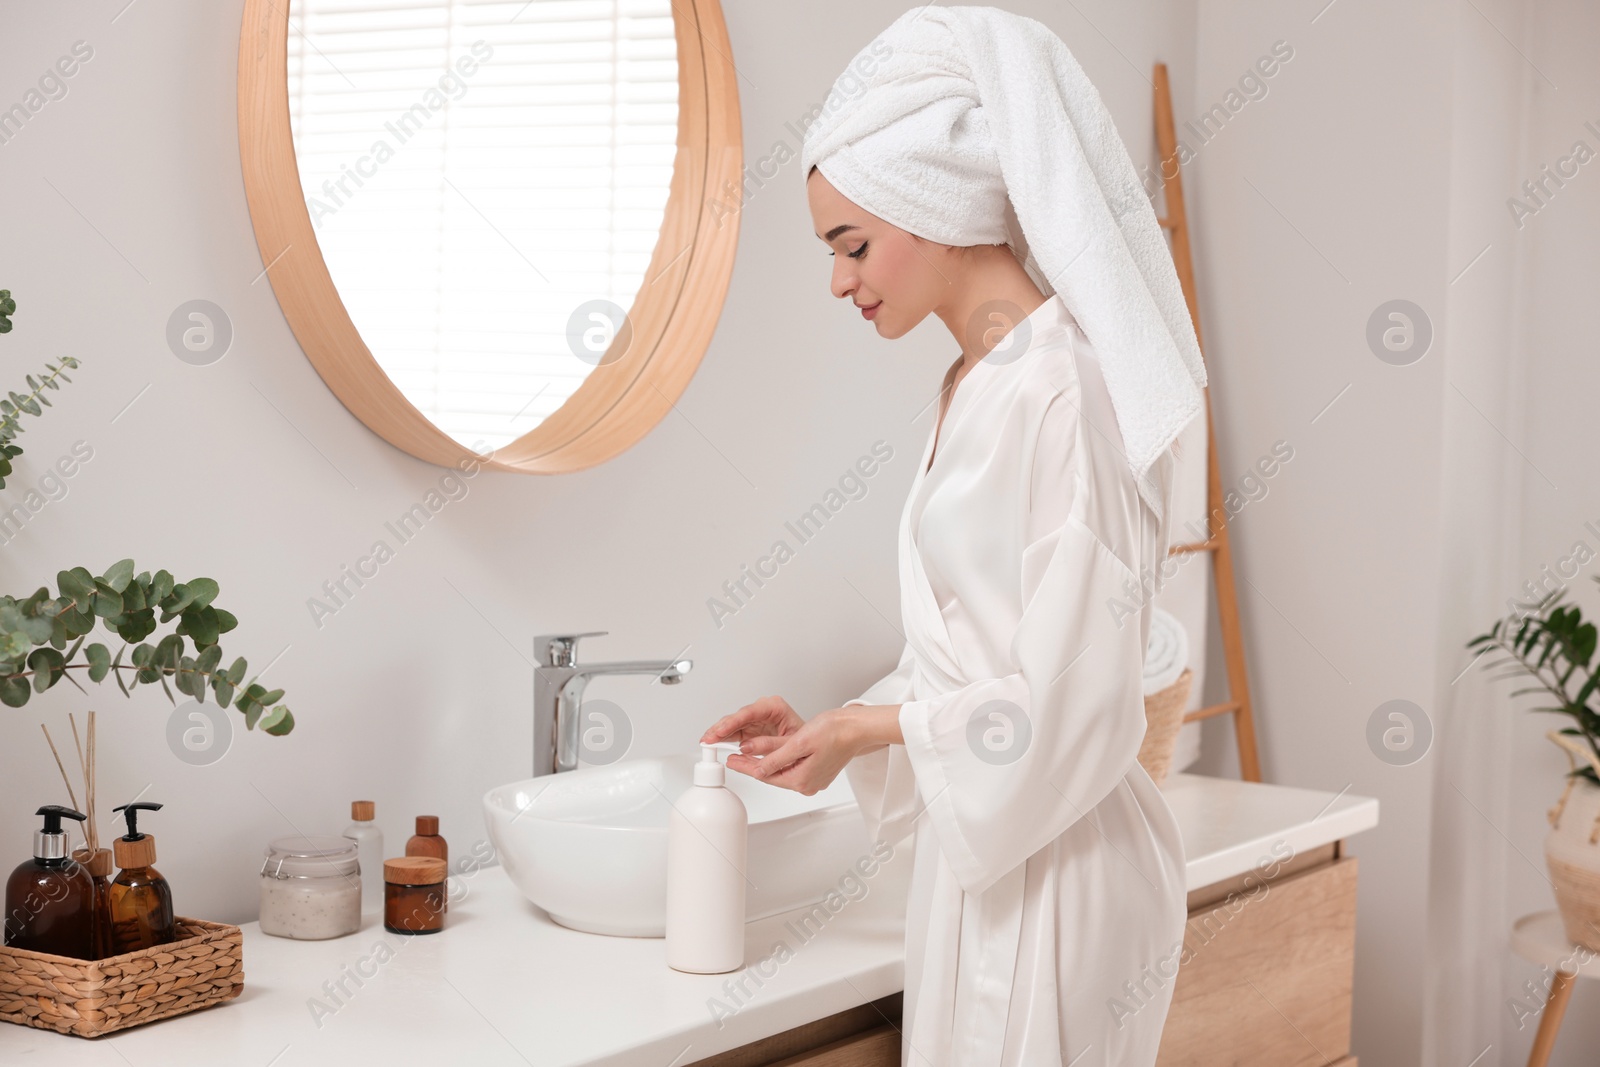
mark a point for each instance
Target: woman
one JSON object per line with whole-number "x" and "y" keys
{"x": 1047, "y": 898}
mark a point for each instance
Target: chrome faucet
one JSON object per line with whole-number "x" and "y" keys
{"x": 558, "y": 685}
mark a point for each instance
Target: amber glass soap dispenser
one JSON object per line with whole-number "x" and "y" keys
{"x": 141, "y": 900}
{"x": 50, "y": 900}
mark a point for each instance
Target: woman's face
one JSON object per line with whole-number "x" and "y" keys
{"x": 895, "y": 276}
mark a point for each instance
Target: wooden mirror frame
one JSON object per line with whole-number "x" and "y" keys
{"x": 673, "y": 316}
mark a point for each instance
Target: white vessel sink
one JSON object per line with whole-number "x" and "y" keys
{"x": 590, "y": 846}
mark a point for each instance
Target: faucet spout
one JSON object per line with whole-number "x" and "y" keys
{"x": 669, "y": 672}
{"x": 558, "y": 688}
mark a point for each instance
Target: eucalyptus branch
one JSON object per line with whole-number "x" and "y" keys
{"x": 12, "y": 409}
{"x": 34, "y": 403}
{"x": 34, "y": 636}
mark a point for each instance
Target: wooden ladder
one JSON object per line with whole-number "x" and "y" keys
{"x": 1218, "y": 542}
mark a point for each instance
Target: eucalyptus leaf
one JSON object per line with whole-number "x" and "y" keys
{"x": 119, "y": 574}
{"x": 201, "y": 625}
{"x": 14, "y": 691}
{"x": 39, "y": 629}
{"x": 169, "y": 653}
{"x": 187, "y": 678}
{"x": 278, "y": 721}
{"x": 202, "y": 591}
{"x": 47, "y": 665}
{"x": 106, "y": 602}
{"x": 133, "y": 597}
{"x": 208, "y": 660}
{"x": 77, "y": 584}
{"x": 99, "y": 658}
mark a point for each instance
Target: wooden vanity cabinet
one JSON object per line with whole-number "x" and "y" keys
{"x": 1265, "y": 981}
{"x": 1268, "y": 969}
{"x": 864, "y": 1036}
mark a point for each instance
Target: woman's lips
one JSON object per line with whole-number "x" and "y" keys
{"x": 870, "y": 311}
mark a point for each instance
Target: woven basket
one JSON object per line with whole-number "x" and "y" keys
{"x": 1163, "y": 713}
{"x": 1572, "y": 849}
{"x": 204, "y": 966}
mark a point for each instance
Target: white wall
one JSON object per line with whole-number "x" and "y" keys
{"x": 1314, "y": 205}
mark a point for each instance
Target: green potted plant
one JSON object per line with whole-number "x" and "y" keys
{"x": 1549, "y": 640}
{"x": 36, "y": 631}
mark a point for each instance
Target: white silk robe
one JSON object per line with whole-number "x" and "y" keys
{"x": 1047, "y": 895}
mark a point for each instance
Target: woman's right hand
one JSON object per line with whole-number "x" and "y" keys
{"x": 767, "y": 717}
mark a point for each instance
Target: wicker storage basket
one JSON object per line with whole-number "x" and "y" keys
{"x": 204, "y": 966}
{"x": 1163, "y": 713}
{"x": 1572, "y": 848}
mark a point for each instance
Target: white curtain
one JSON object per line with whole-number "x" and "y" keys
{"x": 1466, "y": 1020}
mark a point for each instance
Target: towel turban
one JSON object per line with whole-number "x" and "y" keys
{"x": 973, "y": 126}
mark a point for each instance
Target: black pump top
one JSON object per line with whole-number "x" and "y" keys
{"x": 131, "y": 813}
{"x": 54, "y": 813}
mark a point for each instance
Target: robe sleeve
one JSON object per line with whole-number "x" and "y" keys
{"x": 883, "y": 780}
{"x": 1075, "y": 686}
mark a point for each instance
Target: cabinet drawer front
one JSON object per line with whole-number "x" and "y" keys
{"x": 879, "y": 1047}
{"x": 1265, "y": 979}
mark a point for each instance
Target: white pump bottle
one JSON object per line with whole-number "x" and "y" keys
{"x": 707, "y": 844}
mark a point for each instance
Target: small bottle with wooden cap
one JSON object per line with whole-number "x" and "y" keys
{"x": 427, "y": 841}
{"x": 414, "y": 895}
{"x": 364, "y": 831}
{"x": 140, "y": 899}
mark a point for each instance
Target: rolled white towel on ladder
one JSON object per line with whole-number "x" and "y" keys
{"x": 1167, "y": 654}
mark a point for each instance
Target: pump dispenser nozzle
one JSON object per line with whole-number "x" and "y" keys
{"x": 134, "y": 849}
{"x": 709, "y": 771}
{"x": 50, "y": 843}
{"x": 131, "y": 813}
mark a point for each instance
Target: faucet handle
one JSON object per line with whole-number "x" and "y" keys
{"x": 560, "y": 650}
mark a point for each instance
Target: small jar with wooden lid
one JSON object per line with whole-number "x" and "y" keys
{"x": 414, "y": 893}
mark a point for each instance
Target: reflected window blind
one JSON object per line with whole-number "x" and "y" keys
{"x": 477, "y": 171}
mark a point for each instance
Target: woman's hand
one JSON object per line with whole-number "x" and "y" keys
{"x": 806, "y": 760}
{"x": 800, "y": 755}
{"x": 767, "y": 717}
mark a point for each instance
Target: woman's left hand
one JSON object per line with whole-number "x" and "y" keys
{"x": 807, "y": 760}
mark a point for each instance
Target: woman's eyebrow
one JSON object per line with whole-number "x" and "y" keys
{"x": 837, "y": 230}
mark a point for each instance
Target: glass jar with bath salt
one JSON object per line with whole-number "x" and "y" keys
{"x": 311, "y": 888}
{"x": 414, "y": 894}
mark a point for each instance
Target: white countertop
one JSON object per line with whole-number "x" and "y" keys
{"x": 502, "y": 984}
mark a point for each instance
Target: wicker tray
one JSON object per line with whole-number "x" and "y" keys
{"x": 203, "y": 967}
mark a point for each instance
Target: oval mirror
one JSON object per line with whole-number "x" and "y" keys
{"x": 498, "y": 230}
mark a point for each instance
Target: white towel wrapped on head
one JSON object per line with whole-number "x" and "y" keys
{"x": 975, "y": 106}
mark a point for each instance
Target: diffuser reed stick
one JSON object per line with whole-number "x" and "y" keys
{"x": 91, "y": 835}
